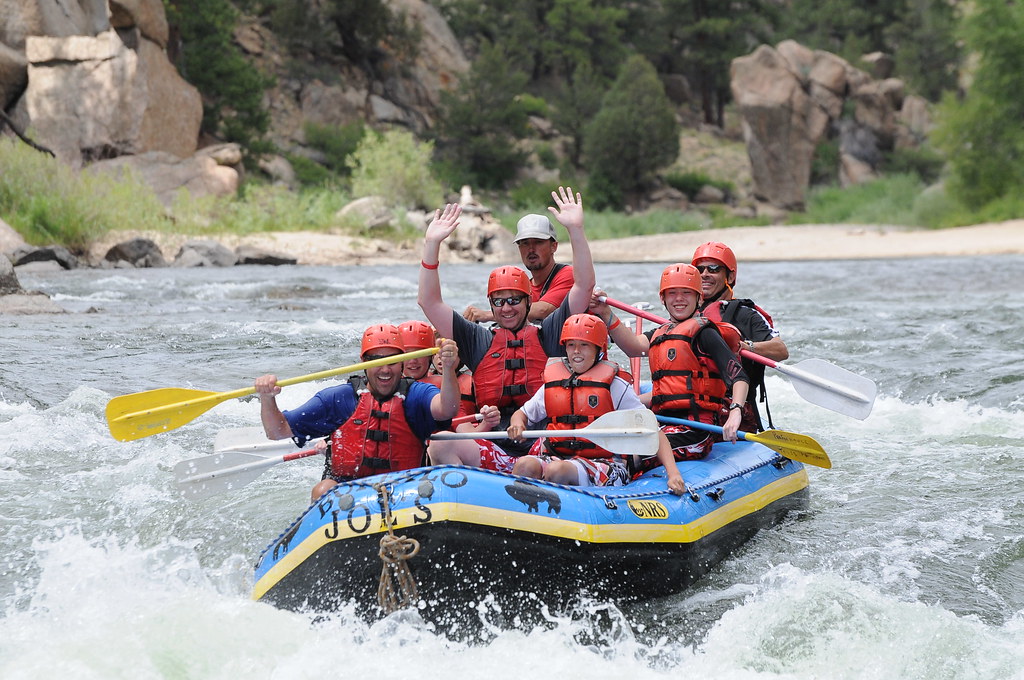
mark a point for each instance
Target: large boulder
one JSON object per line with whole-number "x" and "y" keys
{"x": 147, "y": 15}
{"x": 13, "y": 74}
{"x": 167, "y": 174}
{"x": 20, "y": 19}
{"x": 9, "y": 238}
{"x": 91, "y": 98}
{"x": 781, "y": 125}
{"x": 9, "y": 283}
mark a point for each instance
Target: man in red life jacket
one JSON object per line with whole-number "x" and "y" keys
{"x": 378, "y": 422}
{"x": 693, "y": 369}
{"x": 417, "y": 335}
{"x": 508, "y": 361}
{"x": 578, "y": 389}
{"x": 717, "y": 266}
{"x": 550, "y": 281}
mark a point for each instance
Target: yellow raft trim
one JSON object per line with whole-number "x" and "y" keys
{"x": 550, "y": 526}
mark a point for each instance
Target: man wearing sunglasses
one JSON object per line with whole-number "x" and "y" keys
{"x": 717, "y": 266}
{"x": 507, "y": 360}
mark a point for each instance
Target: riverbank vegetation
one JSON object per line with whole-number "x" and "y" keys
{"x": 539, "y": 60}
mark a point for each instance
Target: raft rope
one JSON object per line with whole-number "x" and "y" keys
{"x": 397, "y": 589}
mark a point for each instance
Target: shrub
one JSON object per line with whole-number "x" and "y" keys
{"x": 395, "y": 166}
{"x": 336, "y": 142}
{"x": 633, "y": 134}
{"x": 50, "y": 203}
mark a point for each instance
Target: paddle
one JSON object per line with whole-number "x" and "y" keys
{"x": 623, "y": 432}
{"x": 816, "y": 380}
{"x": 134, "y": 416}
{"x": 202, "y": 477}
{"x": 254, "y": 439}
{"x": 799, "y": 447}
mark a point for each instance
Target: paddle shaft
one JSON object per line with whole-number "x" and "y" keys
{"x": 133, "y": 416}
{"x": 248, "y": 467}
{"x": 792, "y": 445}
{"x": 862, "y": 401}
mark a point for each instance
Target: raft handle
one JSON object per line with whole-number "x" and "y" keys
{"x": 781, "y": 462}
{"x": 717, "y": 494}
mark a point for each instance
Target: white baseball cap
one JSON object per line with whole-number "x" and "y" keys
{"x": 534, "y": 226}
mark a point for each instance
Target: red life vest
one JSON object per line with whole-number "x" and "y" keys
{"x": 376, "y": 438}
{"x": 467, "y": 401}
{"x": 512, "y": 369}
{"x": 682, "y": 381}
{"x": 573, "y": 401}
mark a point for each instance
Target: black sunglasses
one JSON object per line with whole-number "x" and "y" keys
{"x": 713, "y": 268}
{"x": 510, "y": 300}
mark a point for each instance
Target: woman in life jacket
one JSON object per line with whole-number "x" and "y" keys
{"x": 377, "y": 422}
{"x": 693, "y": 370}
{"x": 578, "y": 389}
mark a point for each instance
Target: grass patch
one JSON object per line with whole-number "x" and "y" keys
{"x": 889, "y": 200}
{"x": 49, "y": 203}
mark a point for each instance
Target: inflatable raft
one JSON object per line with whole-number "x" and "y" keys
{"x": 489, "y": 535}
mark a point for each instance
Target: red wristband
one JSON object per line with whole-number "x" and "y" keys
{"x": 615, "y": 324}
{"x": 429, "y": 266}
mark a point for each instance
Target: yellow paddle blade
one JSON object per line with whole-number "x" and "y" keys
{"x": 799, "y": 447}
{"x": 134, "y": 416}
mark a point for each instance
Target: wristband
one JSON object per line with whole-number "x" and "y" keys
{"x": 429, "y": 266}
{"x": 615, "y": 324}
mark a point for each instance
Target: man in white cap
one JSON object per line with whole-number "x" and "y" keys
{"x": 550, "y": 281}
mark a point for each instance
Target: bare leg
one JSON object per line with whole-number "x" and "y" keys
{"x": 562, "y": 472}
{"x": 528, "y": 466}
{"x": 322, "y": 487}
{"x": 454, "y": 452}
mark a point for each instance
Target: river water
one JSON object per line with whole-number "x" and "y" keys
{"x": 909, "y": 564}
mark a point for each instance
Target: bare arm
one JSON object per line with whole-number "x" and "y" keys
{"x": 773, "y": 348}
{"x": 569, "y": 213}
{"x": 629, "y": 342}
{"x": 430, "y": 301}
{"x": 675, "y": 481}
{"x": 274, "y": 423}
{"x": 445, "y": 405}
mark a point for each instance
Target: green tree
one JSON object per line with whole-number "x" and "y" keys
{"x": 634, "y": 134}
{"x": 232, "y": 88}
{"x": 925, "y": 48}
{"x": 982, "y": 133}
{"x": 481, "y": 121}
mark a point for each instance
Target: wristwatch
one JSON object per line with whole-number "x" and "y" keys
{"x": 735, "y": 406}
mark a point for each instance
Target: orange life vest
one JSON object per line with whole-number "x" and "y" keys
{"x": 684, "y": 383}
{"x": 467, "y": 401}
{"x": 376, "y": 438}
{"x": 575, "y": 400}
{"x": 512, "y": 370}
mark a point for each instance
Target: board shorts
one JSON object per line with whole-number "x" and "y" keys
{"x": 494, "y": 458}
{"x": 609, "y": 471}
{"x": 687, "y": 444}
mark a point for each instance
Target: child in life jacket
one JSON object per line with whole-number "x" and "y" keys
{"x": 577, "y": 390}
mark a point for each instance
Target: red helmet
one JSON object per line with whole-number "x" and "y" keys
{"x": 586, "y": 327}
{"x": 416, "y": 335}
{"x": 508, "y": 278}
{"x": 713, "y": 250}
{"x": 381, "y": 335}
{"x": 680, "y": 276}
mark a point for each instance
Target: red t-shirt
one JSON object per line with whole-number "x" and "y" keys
{"x": 558, "y": 288}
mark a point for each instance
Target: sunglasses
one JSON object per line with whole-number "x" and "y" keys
{"x": 713, "y": 268}
{"x": 510, "y": 300}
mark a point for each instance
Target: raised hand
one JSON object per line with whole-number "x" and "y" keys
{"x": 569, "y": 210}
{"x": 444, "y": 223}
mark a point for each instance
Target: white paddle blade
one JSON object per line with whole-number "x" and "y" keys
{"x": 250, "y": 440}
{"x": 832, "y": 387}
{"x": 211, "y": 475}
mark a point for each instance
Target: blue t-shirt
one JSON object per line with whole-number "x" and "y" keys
{"x": 328, "y": 409}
